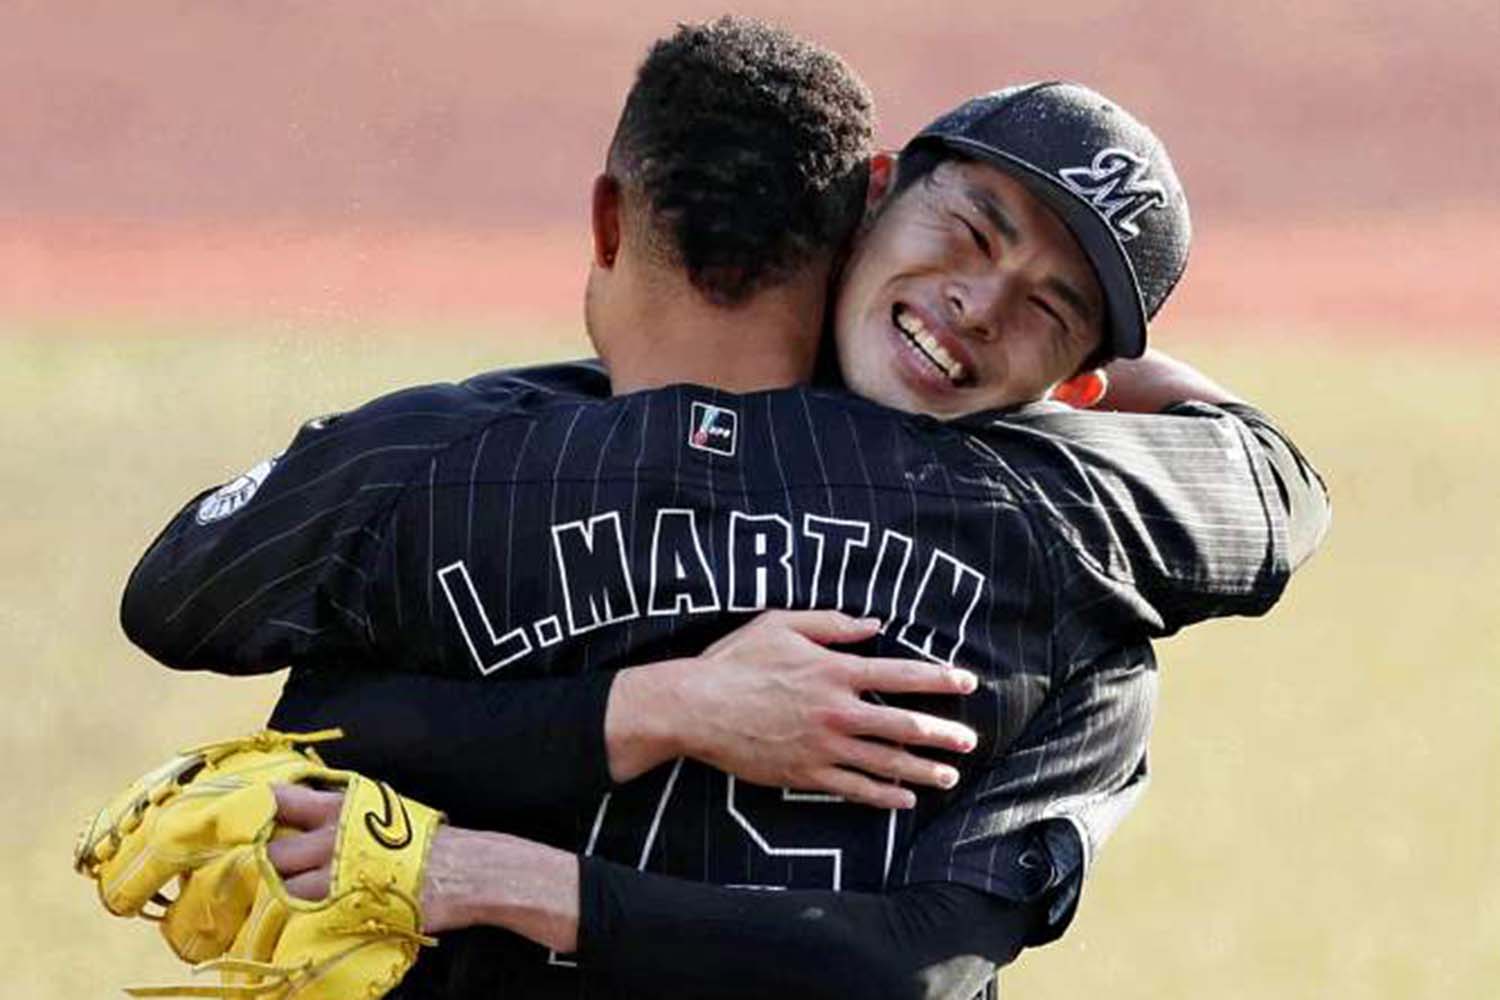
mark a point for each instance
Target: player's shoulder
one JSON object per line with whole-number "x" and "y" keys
{"x": 1088, "y": 435}
{"x": 482, "y": 397}
{"x": 390, "y": 431}
{"x": 578, "y": 380}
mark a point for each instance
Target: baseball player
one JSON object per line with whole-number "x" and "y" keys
{"x": 525, "y": 529}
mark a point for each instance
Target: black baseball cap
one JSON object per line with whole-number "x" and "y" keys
{"x": 1099, "y": 168}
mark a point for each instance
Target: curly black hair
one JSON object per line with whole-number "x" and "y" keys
{"x": 751, "y": 147}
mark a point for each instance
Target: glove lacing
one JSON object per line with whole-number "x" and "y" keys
{"x": 279, "y": 981}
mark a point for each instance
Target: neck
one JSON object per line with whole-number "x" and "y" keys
{"x": 672, "y": 334}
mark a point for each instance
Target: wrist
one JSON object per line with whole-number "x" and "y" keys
{"x": 453, "y": 887}
{"x": 476, "y": 878}
{"x": 643, "y": 722}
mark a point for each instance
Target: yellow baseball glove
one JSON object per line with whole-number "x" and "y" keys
{"x": 356, "y": 943}
{"x": 206, "y": 818}
{"x": 196, "y": 819}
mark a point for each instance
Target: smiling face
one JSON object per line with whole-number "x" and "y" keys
{"x": 965, "y": 293}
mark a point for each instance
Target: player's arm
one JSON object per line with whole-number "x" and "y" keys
{"x": 772, "y": 702}
{"x": 652, "y": 935}
{"x": 996, "y": 868}
{"x": 1200, "y": 510}
{"x": 658, "y": 936}
{"x": 271, "y": 567}
{"x": 1155, "y": 382}
{"x": 1074, "y": 773}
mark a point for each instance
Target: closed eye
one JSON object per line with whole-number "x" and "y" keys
{"x": 1054, "y": 315}
{"x": 980, "y": 240}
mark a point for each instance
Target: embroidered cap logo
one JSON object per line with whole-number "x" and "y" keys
{"x": 1115, "y": 184}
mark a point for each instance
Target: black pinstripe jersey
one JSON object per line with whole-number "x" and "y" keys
{"x": 526, "y": 524}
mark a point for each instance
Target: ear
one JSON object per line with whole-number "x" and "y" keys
{"x": 882, "y": 178}
{"x": 606, "y": 220}
{"x": 1083, "y": 390}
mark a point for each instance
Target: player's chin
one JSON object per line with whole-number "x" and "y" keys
{"x": 918, "y": 391}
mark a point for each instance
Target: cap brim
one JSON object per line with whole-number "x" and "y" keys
{"x": 1126, "y": 329}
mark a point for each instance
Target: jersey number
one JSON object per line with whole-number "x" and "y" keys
{"x": 747, "y": 836}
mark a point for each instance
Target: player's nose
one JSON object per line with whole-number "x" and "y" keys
{"x": 975, "y": 308}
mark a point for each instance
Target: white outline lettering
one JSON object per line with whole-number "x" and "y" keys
{"x": 587, "y": 529}
{"x": 851, "y": 542}
{"x": 762, "y": 575}
{"x": 514, "y": 635}
{"x": 652, "y": 608}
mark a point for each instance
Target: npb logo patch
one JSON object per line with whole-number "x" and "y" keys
{"x": 713, "y": 429}
{"x": 1115, "y": 184}
{"x": 233, "y": 495}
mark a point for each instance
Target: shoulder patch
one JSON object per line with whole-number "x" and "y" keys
{"x": 233, "y": 495}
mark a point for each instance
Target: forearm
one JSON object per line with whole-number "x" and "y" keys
{"x": 474, "y": 749}
{"x": 652, "y": 935}
{"x": 464, "y": 745}
{"x": 1155, "y": 380}
{"x": 767, "y": 703}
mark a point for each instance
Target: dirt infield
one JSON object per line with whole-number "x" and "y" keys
{"x": 378, "y": 158}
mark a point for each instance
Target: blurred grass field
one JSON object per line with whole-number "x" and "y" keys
{"x": 1325, "y": 817}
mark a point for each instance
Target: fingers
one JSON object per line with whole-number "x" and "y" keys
{"x": 901, "y": 725}
{"x": 863, "y": 789}
{"x": 895, "y": 763}
{"x": 311, "y": 885}
{"x": 303, "y": 860}
{"x": 304, "y": 852}
{"x": 306, "y": 808}
{"x": 896, "y": 676}
{"x": 823, "y": 627}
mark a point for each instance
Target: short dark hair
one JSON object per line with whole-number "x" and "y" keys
{"x": 751, "y": 147}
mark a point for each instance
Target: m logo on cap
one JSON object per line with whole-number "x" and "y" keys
{"x": 1116, "y": 185}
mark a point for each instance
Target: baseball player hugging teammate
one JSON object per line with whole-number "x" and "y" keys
{"x": 609, "y": 623}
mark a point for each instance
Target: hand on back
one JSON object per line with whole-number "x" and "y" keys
{"x": 772, "y": 703}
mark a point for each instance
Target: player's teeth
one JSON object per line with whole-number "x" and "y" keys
{"x": 935, "y": 350}
{"x": 912, "y": 325}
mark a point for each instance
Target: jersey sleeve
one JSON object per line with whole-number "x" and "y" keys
{"x": 1199, "y": 511}
{"x": 1075, "y": 772}
{"x": 270, "y": 567}
{"x": 476, "y": 750}
{"x": 649, "y": 935}
{"x": 1302, "y": 494}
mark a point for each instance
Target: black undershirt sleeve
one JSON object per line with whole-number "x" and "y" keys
{"x": 476, "y": 751}
{"x": 650, "y": 935}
